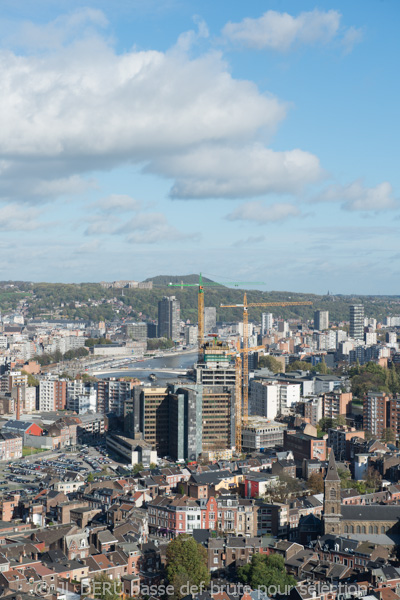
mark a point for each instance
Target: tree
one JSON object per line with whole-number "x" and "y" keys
{"x": 32, "y": 381}
{"x": 266, "y": 571}
{"x": 298, "y": 365}
{"x": 138, "y": 467}
{"x": 325, "y": 423}
{"x": 393, "y": 380}
{"x": 388, "y": 435}
{"x": 159, "y": 343}
{"x": 186, "y": 564}
{"x": 105, "y": 588}
{"x": 90, "y": 342}
{"x": 372, "y": 478}
{"x": 316, "y": 482}
{"x": 339, "y": 420}
{"x": 270, "y": 363}
{"x": 153, "y": 466}
{"x": 368, "y": 378}
{"x": 90, "y": 478}
{"x": 181, "y": 489}
{"x": 321, "y": 367}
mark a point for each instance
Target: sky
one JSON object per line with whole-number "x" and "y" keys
{"x": 248, "y": 141}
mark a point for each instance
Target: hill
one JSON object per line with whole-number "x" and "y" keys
{"x": 164, "y": 280}
{"x": 90, "y": 301}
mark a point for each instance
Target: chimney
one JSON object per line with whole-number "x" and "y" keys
{"x": 18, "y": 404}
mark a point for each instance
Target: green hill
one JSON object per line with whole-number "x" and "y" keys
{"x": 96, "y": 303}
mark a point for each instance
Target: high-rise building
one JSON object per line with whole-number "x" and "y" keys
{"x": 375, "y": 413}
{"x": 321, "y": 320}
{"x": 357, "y": 321}
{"x": 267, "y": 322}
{"x": 169, "y": 315}
{"x": 52, "y": 394}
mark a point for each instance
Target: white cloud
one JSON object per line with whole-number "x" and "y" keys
{"x": 142, "y": 228}
{"x": 281, "y": 31}
{"x": 117, "y": 203}
{"x": 63, "y": 29}
{"x": 82, "y": 108}
{"x": 260, "y": 213}
{"x": 14, "y": 217}
{"x": 239, "y": 171}
{"x": 357, "y": 197}
{"x": 150, "y": 228}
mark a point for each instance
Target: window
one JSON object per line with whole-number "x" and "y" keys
{"x": 216, "y": 561}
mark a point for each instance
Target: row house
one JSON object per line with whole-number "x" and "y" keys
{"x": 349, "y": 552}
{"x": 171, "y": 515}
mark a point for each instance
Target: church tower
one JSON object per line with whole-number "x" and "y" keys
{"x": 332, "y": 499}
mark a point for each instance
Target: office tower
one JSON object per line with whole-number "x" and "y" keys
{"x": 147, "y": 413}
{"x": 321, "y": 320}
{"x": 169, "y": 318}
{"x": 210, "y": 318}
{"x": 267, "y": 321}
{"x": 357, "y": 321}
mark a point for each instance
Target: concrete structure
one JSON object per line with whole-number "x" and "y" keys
{"x": 260, "y": 433}
{"x": 183, "y": 421}
{"x": 134, "y": 451}
{"x": 321, "y": 320}
{"x": 357, "y": 321}
{"x": 136, "y": 331}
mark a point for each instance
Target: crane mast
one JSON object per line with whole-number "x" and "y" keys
{"x": 242, "y": 415}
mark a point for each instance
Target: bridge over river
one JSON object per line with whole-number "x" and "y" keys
{"x": 161, "y": 370}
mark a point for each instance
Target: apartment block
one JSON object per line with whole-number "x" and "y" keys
{"x": 375, "y": 413}
{"x": 52, "y": 394}
{"x": 304, "y": 446}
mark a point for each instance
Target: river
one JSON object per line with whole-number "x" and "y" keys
{"x": 179, "y": 361}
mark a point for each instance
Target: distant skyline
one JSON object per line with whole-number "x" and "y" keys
{"x": 248, "y": 142}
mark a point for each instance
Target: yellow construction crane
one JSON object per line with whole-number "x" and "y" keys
{"x": 245, "y": 359}
{"x": 200, "y": 302}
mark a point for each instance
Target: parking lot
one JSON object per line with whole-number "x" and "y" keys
{"x": 28, "y": 473}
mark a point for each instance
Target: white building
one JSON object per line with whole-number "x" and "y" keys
{"x": 270, "y": 398}
{"x": 267, "y": 322}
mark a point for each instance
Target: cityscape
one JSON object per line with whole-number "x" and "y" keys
{"x": 199, "y": 300}
{"x": 248, "y": 444}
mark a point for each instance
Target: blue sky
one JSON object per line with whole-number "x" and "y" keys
{"x": 248, "y": 141}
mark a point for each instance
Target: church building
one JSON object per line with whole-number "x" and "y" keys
{"x": 359, "y": 521}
